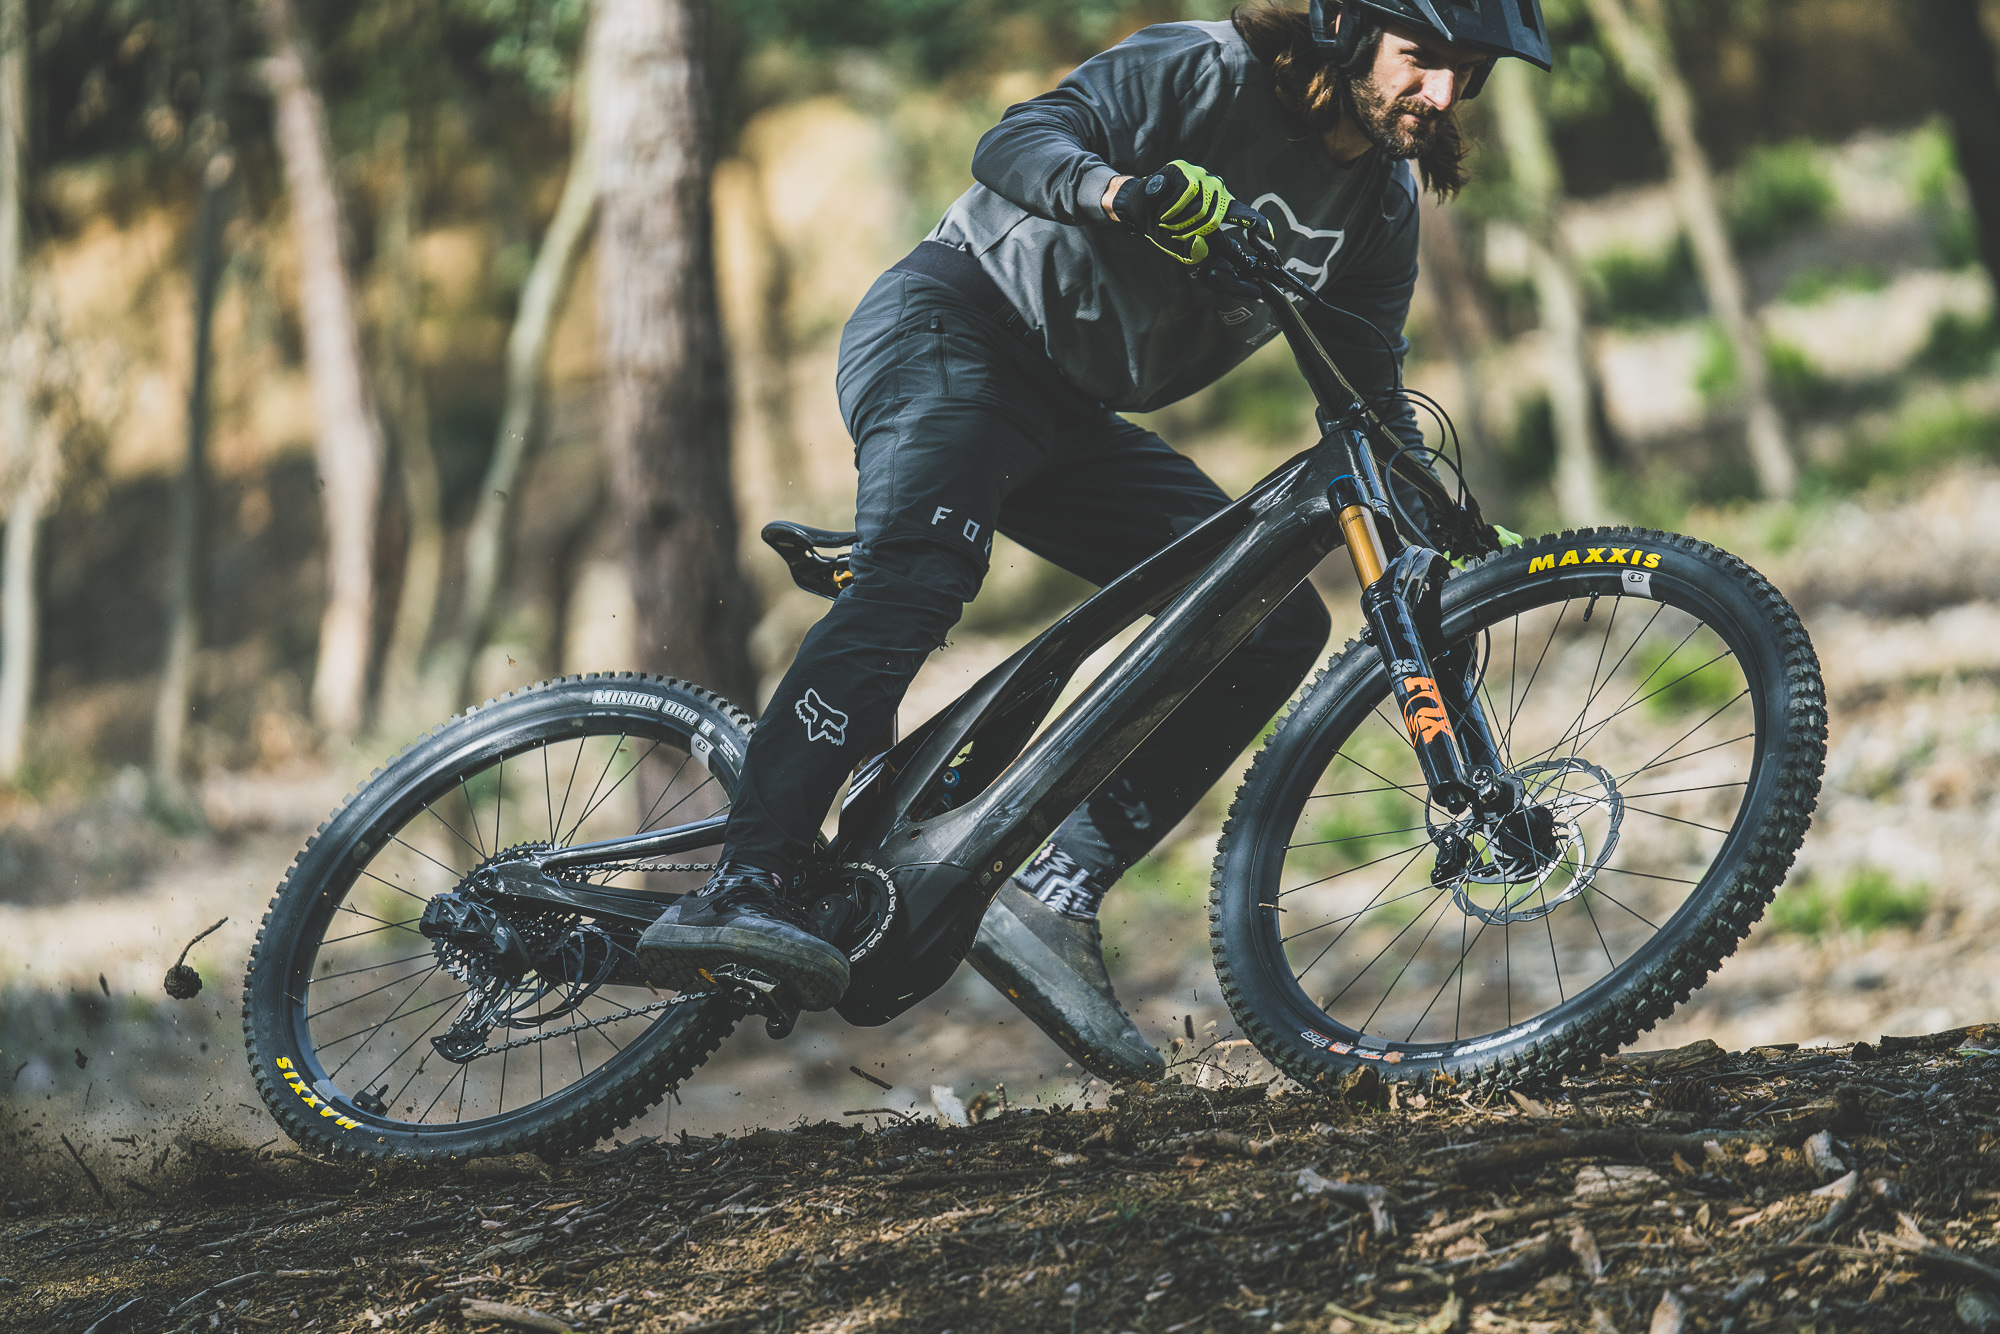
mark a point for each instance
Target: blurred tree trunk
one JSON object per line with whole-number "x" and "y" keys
{"x": 29, "y": 475}
{"x": 666, "y": 375}
{"x": 349, "y": 443}
{"x": 1635, "y": 33}
{"x": 184, "y": 574}
{"x": 527, "y": 350}
{"x": 1467, "y": 334}
{"x": 1538, "y": 190}
{"x": 400, "y": 705}
{"x": 1969, "y": 91}
{"x": 763, "y": 296}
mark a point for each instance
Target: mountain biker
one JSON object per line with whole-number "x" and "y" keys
{"x": 981, "y": 379}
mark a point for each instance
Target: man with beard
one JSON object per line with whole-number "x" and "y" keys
{"x": 981, "y": 379}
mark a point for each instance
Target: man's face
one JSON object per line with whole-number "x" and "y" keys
{"x": 1416, "y": 79}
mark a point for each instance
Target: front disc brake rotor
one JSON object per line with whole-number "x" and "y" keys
{"x": 1538, "y": 857}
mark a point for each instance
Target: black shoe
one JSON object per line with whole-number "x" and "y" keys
{"x": 1052, "y": 967}
{"x": 741, "y": 917}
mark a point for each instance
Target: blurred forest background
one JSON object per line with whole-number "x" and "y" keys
{"x": 364, "y": 359}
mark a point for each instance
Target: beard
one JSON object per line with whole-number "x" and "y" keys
{"x": 1388, "y": 124}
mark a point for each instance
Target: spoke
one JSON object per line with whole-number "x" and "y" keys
{"x": 1747, "y": 736}
{"x": 1609, "y": 962}
{"x": 450, "y": 828}
{"x": 1419, "y": 949}
{"x": 1659, "y": 815}
{"x": 499, "y": 790}
{"x": 1613, "y": 898}
{"x": 398, "y": 1095}
{"x": 472, "y": 815}
{"x": 1385, "y": 857}
{"x": 1529, "y": 685}
{"x": 548, "y": 794}
{"x": 1690, "y": 732}
{"x": 1408, "y": 862}
{"x": 1351, "y": 838}
{"x": 1679, "y": 791}
{"x": 335, "y": 1072}
{"x": 443, "y": 1089}
{"x": 590, "y": 802}
{"x": 1645, "y": 875}
{"x": 371, "y": 1028}
{"x": 1364, "y": 792}
{"x": 396, "y": 982}
{"x": 1363, "y": 970}
{"x": 390, "y": 884}
{"x": 665, "y": 788}
{"x": 370, "y": 967}
{"x": 613, "y": 789}
{"x": 1348, "y": 917}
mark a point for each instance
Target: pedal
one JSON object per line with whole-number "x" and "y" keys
{"x": 760, "y": 994}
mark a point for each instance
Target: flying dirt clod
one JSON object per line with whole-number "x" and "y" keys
{"x": 183, "y": 982}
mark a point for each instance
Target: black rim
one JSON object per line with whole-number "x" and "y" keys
{"x": 365, "y": 992}
{"x": 1649, "y": 700}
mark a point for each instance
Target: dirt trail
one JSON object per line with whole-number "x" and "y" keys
{"x": 1843, "y": 1189}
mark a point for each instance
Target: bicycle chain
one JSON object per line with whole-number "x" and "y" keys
{"x": 582, "y": 1025}
{"x": 588, "y": 1023}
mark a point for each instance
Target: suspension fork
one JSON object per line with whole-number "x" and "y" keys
{"x": 1401, "y": 596}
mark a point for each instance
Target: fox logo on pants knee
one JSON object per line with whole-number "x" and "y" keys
{"x": 823, "y": 721}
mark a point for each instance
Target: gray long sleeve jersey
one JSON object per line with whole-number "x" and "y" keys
{"x": 1122, "y": 321}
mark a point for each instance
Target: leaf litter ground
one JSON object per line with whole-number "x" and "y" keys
{"x": 1775, "y": 1189}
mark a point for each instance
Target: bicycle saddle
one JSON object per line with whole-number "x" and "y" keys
{"x": 824, "y": 576}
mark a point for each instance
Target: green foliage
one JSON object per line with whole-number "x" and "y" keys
{"x": 1800, "y": 909}
{"x": 1796, "y": 383}
{"x": 535, "y": 40}
{"x": 1529, "y": 453}
{"x": 1695, "y": 678}
{"x": 1933, "y": 171}
{"x": 1928, "y": 432}
{"x": 933, "y": 39}
{"x": 1717, "y": 377}
{"x": 1635, "y": 288}
{"x": 1817, "y": 282}
{"x": 1958, "y": 347}
{"x": 1868, "y": 900}
{"x": 1780, "y": 190}
{"x": 1267, "y": 400}
{"x": 1939, "y": 188}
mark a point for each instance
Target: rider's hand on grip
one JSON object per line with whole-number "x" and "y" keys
{"x": 1177, "y": 210}
{"x": 1242, "y": 215}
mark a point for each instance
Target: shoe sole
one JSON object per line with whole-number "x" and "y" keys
{"x": 1098, "y": 1035}
{"x": 677, "y": 961}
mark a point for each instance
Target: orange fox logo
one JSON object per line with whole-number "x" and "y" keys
{"x": 1423, "y": 710}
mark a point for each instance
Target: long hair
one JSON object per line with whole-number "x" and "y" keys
{"x": 1314, "y": 96}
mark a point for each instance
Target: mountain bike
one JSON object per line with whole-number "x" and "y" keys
{"x": 1517, "y": 820}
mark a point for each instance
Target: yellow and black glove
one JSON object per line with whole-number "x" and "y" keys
{"x": 1177, "y": 210}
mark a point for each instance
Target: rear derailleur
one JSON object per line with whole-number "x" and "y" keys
{"x": 519, "y": 972}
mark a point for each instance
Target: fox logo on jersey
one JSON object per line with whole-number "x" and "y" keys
{"x": 823, "y": 721}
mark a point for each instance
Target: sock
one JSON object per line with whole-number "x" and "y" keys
{"x": 1063, "y": 883}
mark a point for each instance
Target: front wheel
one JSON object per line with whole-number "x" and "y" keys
{"x": 1662, "y": 708}
{"x": 373, "y": 1035}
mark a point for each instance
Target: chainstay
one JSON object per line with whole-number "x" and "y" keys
{"x": 585, "y": 1024}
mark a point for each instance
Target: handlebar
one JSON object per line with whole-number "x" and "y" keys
{"x": 1242, "y": 259}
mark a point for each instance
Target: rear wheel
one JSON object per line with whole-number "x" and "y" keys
{"x": 368, "y": 1037}
{"x": 1660, "y": 703}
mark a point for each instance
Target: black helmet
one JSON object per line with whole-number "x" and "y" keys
{"x": 1502, "y": 27}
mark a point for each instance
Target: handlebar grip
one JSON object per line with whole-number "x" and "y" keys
{"x": 1241, "y": 214}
